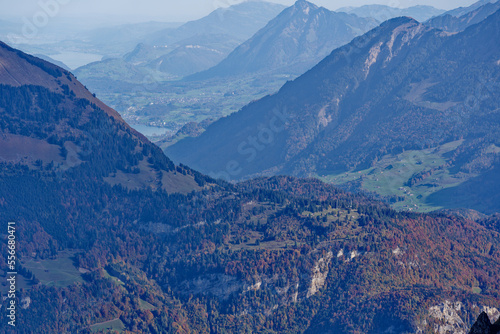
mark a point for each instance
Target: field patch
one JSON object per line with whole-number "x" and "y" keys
{"x": 112, "y": 325}
{"x": 60, "y": 272}
{"x": 21, "y": 149}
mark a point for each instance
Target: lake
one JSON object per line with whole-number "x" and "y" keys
{"x": 76, "y": 59}
{"x": 151, "y": 130}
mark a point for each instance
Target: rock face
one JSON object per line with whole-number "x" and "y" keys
{"x": 448, "y": 314}
{"x": 319, "y": 274}
{"x": 454, "y": 317}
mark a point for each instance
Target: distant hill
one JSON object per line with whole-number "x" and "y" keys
{"x": 194, "y": 54}
{"x": 384, "y": 104}
{"x": 383, "y": 13}
{"x": 294, "y": 41}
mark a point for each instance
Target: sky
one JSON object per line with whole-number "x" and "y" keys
{"x": 171, "y": 10}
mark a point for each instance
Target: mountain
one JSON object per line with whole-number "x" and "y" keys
{"x": 383, "y": 13}
{"x": 239, "y": 21}
{"x": 406, "y": 100}
{"x": 294, "y": 41}
{"x": 201, "y": 44}
{"x": 172, "y": 53}
{"x": 37, "y": 139}
{"x": 112, "y": 236}
{"x": 194, "y": 54}
{"x": 166, "y": 62}
{"x": 452, "y": 23}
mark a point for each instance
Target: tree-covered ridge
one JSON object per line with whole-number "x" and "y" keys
{"x": 49, "y": 68}
{"x": 88, "y": 139}
{"x": 214, "y": 255}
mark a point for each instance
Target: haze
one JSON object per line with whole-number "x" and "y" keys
{"x": 175, "y": 11}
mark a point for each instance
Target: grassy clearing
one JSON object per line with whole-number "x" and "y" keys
{"x": 332, "y": 215}
{"x": 145, "y": 305}
{"x": 115, "y": 280}
{"x": 252, "y": 240}
{"x": 60, "y": 272}
{"x": 390, "y": 177}
{"x": 112, "y": 325}
{"x": 266, "y": 245}
{"x": 172, "y": 182}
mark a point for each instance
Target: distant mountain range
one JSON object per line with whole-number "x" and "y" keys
{"x": 383, "y": 13}
{"x": 192, "y": 47}
{"x": 468, "y": 16}
{"x": 460, "y": 11}
{"x": 239, "y": 21}
{"x": 280, "y": 51}
{"x": 401, "y": 87}
{"x": 294, "y": 41}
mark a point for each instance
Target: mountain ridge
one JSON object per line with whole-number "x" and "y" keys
{"x": 368, "y": 92}
{"x": 238, "y": 20}
{"x": 294, "y": 41}
{"x": 26, "y": 75}
{"x": 23, "y": 75}
{"x": 384, "y": 13}
{"x": 451, "y": 23}
{"x": 192, "y": 47}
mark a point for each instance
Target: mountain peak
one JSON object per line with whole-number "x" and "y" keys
{"x": 304, "y": 6}
{"x": 403, "y": 24}
{"x": 291, "y": 43}
{"x": 399, "y": 21}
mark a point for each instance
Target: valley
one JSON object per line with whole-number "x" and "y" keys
{"x": 261, "y": 169}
